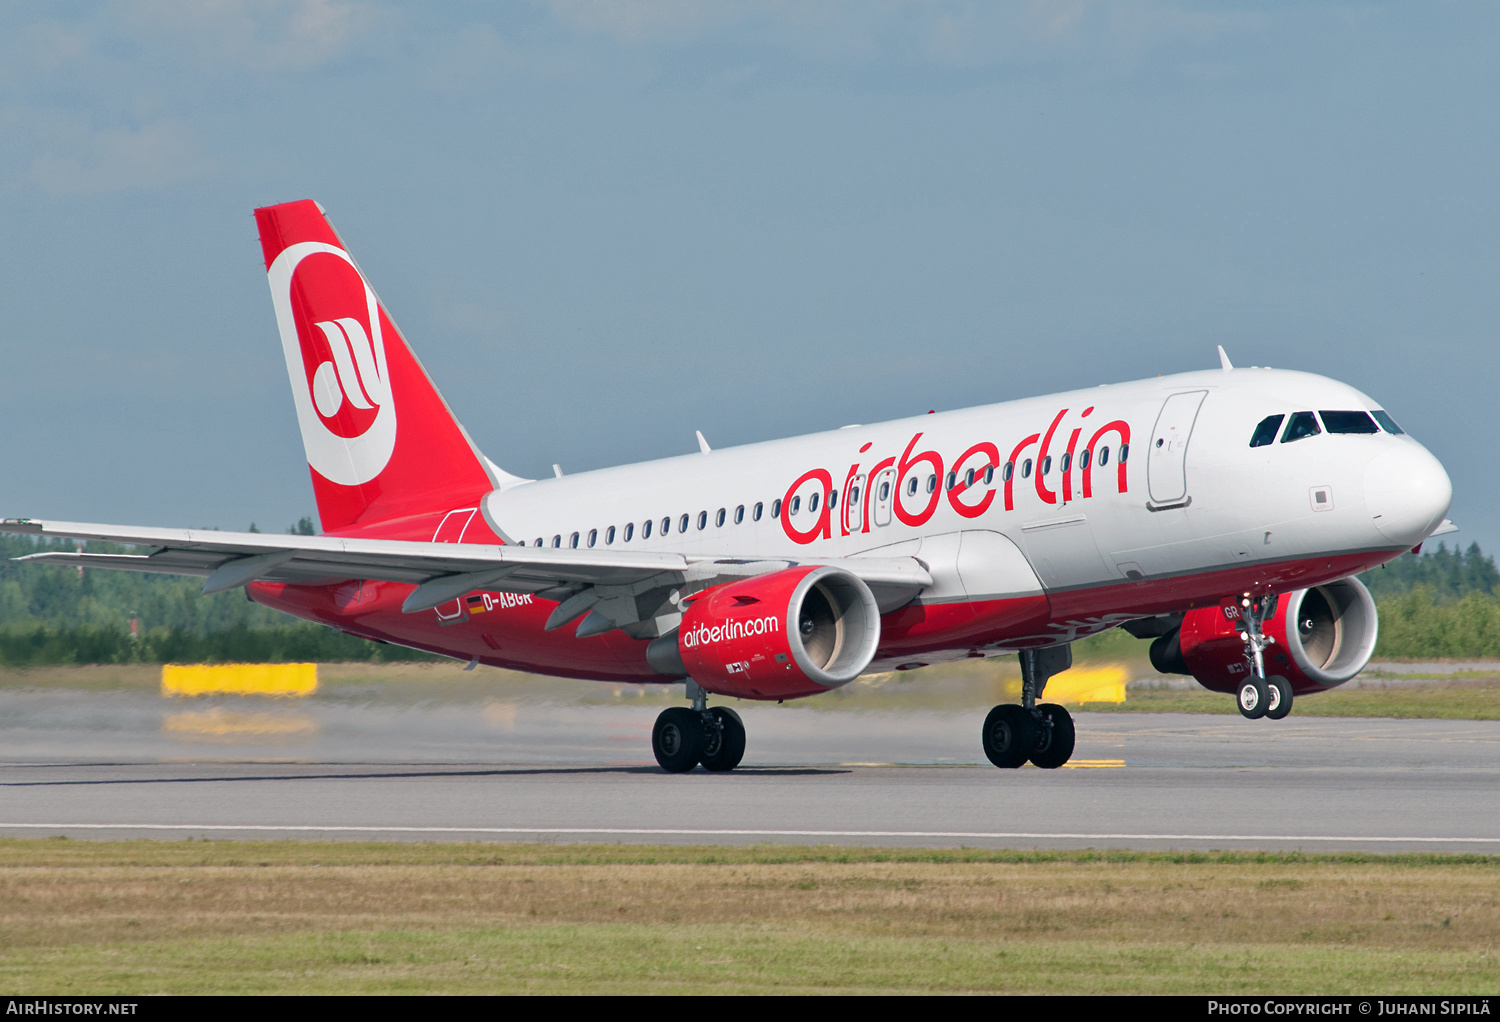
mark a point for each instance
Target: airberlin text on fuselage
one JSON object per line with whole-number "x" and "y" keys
{"x": 1037, "y": 450}
{"x": 704, "y": 634}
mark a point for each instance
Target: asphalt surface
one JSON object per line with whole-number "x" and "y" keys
{"x": 131, "y": 764}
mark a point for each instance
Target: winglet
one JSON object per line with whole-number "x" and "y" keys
{"x": 1224, "y": 360}
{"x": 702, "y": 443}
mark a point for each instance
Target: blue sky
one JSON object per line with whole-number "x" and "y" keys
{"x": 604, "y": 224}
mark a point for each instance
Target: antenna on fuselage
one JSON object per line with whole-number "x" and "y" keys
{"x": 1224, "y": 360}
{"x": 702, "y": 443}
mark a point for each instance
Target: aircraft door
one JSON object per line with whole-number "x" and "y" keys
{"x": 451, "y": 530}
{"x": 1166, "y": 458}
{"x": 882, "y": 494}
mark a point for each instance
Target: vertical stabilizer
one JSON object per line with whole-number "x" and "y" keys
{"x": 387, "y": 456}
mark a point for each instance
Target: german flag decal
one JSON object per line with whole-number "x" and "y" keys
{"x": 478, "y": 603}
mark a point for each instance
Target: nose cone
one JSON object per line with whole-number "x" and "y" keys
{"x": 1407, "y": 493}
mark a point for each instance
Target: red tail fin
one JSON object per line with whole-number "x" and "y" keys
{"x": 386, "y": 454}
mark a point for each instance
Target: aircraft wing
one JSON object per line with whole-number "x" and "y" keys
{"x": 578, "y": 579}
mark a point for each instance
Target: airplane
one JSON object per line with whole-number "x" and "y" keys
{"x": 1220, "y": 513}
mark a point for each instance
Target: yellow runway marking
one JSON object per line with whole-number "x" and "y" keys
{"x": 1094, "y": 764}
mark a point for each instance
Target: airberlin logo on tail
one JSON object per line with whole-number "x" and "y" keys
{"x": 335, "y": 355}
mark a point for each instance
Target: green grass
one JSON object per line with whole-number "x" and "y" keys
{"x": 705, "y": 958}
{"x": 142, "y": 917}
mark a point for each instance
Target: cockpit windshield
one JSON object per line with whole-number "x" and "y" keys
{"x": 1387, "y": 423}
{"x": 1348, "y": 422}
{"x": 1265, "y": 433}
{"x": 1303, "y": 425}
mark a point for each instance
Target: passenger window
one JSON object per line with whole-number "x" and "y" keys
{"x": 593, "y": 536}
{"x": 1302, "y": 425}
{"x": 556, "y": 542}
{"x": 630, "y": 531}
{"x": 756, "y": 513}
{"x": 1348, "y": 422}
{"x": 1124, "y": 453}
{"x": 854, "y": 496}
{"x": 812, "y": 503}
{"x": 969, "y": 478}
{"x": 539, "y": 541}
{"x": 682, "y": 524}
{"x": 1007, "y": 471}
{"x": 1103, "y": 456}
{"x": 1067, "y": 461}
{"x": 1265, "y": 433}
{"x": 609, "y": 535}
{"x": 702, "y": 520}
{"x": 1026, "y": 469}
{"x": 989, "y": 474}
{"x": 666, "y": 526}
{"x": 573, "y": 541}
{"x": 931, "y": 483}
{"x": 885, "y": 491}
{"x": 739, "y": 515}
{"x": 833, "y": 499}
{"x": 911, "y": 487}
{"x": 645, "y": 529}
{"x": 1047, "y": 464}
{"x": 1387, "y": 423}
{"x": 796, "y": 505}
{"x": 719, "y": 518}
{"x": 776, "y": 508}
{"x": 952, "y": 480}
{"x": 1083, "y": 459}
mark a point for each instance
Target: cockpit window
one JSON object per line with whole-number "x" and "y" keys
{"x": 1387, "y": 423}
{"x": 1348, "y": 422}
{"x": 1303, "y": 424}
{"x": 1265, "y": 433}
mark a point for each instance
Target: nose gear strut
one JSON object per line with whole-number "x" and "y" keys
{"x": 1256, "y": 697}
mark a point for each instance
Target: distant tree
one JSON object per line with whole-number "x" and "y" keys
{"x": 1449, "y": 574}
{"x": 304, "y": 527}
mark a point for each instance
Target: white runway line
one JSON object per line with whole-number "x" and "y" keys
{"x": 675, "y": 832}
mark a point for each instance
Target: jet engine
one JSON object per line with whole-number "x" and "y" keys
{"x": 1323, "y": 637}
{"x": 795, "y": 632}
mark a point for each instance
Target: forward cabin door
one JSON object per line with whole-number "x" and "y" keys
{"x": 1166, "y": 459}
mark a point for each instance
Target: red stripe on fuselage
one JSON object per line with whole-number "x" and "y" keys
{"x": 513, "y": 636}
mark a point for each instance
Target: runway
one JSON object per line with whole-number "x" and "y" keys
{"x": 129, "y": 764}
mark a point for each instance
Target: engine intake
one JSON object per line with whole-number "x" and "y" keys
{"x": 1324, "y": 636}
{"x": 795, "y": 632}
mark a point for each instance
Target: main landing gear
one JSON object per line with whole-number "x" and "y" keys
{"x": 1042, "y": 733}
{"x": 684, "y": 737}
{"x": 1259, "y": 696}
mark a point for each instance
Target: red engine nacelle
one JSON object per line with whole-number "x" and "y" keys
{"x": 790, "y": 633}
{"x": 1324, "y": 636}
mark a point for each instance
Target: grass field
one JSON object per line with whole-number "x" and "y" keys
{"x": 243, "y": 917}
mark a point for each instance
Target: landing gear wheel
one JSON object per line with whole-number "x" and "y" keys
{"x": 1054, "y": 744}
{"x": 1009, "y": 736}
{"x": 724, "y": 750}
{"x": 1280, "y": 702}
{"x": 1254, "y": 696}
{"x": 677, "y": 739}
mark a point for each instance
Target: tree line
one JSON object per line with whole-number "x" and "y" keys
{"x": 1441, "y": 603}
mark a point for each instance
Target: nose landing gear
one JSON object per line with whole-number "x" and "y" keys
{"x": 683, "y": 737}
{"x": 1258, "y": 695}
{"x": 1044, "y": 733}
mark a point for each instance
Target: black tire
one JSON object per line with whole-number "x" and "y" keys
{"x": 1009, "y": 736}
{"x": 677, "y": 740}
{"x": 1280, "y": 704}
{"x": 1054, "y": 745}
{"x": 725, "y": 750}
{"x": 1252, "y": 698}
